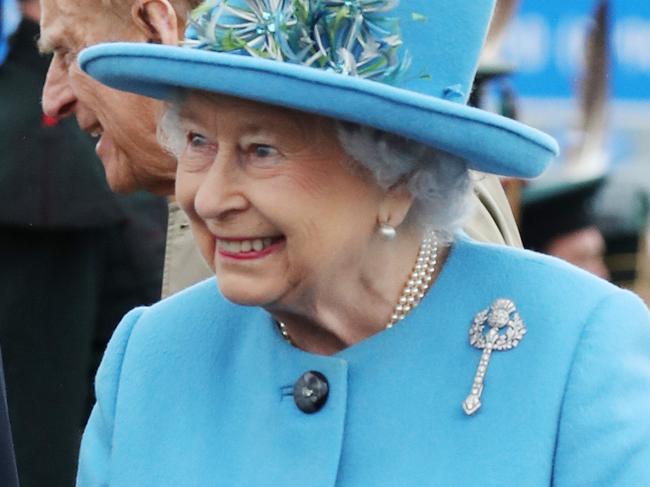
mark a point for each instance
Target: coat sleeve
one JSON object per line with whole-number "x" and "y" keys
{"x": 604, "y": 430}
{"x": 96, "y": 444}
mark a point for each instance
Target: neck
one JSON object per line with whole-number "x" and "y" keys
{"x": 352, "y": 307}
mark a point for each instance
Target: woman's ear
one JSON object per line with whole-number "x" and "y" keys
{"x": 396, "y": 205}
{"x": 158, "y": 20}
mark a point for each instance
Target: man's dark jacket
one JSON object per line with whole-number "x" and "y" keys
{"x": 8, "y": 476}
{"x": 42, "y": 180}
{"x": 74, "y": 258}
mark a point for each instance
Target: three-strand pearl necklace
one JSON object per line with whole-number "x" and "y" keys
{"x": 415, "y": 288}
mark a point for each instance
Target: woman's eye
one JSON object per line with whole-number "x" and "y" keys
{"x": 198, "y": 153}
{"x": 262, "y": 151}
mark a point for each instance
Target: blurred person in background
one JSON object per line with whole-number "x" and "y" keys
{"x": 124, "y": 125}
{"x": 623, "y": 209}
{"x": 560, "y": 220}
{"x": 9, "y": 19}
{"x": 558, "y": 214}
{"x": 74, "y": 258}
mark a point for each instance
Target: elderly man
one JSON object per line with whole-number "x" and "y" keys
{"x": 74, "y": 257}
{"x": 125, "y": 124}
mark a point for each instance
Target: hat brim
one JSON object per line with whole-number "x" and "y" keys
{"x": 489, "y": 142}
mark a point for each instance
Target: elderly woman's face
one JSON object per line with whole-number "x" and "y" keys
{"x": 275, "y": 210}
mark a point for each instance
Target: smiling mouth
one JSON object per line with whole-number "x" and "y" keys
{"x": 96, "y": 131}
{"x": 248, "y": 247}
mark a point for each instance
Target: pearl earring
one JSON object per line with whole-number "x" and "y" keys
{"x": 387, "y": 231}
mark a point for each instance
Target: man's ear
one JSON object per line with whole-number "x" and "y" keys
{"x": 157, "y": 20}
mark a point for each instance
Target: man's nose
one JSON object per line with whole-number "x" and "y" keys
{"x": 59, "y": 99}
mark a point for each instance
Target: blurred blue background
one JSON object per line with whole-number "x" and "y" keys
{"x": 549, "y": 47}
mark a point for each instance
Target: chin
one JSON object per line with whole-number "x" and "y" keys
{"x": 120, "y": 188}
{"x": 117, "y": 168}
{"x": 245, "y": 297}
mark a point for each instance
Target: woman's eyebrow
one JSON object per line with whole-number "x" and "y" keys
{"x": 188, "y": 113}
{"x": 268, "y": 125}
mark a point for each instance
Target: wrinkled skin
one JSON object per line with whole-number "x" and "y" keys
{"x": 251, "y": 175}
{"x": 124, "y": 123}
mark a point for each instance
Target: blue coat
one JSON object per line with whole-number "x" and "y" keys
{"x": 196, "y": 391}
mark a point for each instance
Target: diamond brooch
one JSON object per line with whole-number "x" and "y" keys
{"x": 500, "y": 328}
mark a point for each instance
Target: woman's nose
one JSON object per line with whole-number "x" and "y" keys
{"x": 59, "y": 99}
{"x": 221, "y": 192}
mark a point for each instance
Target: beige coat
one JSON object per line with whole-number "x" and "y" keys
{"x": 642, "y": 284}
{"x": 184, "y": 265}
{"x": 492, "y": 222}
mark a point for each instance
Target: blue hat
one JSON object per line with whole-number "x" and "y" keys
{"x": 405, "y": 68}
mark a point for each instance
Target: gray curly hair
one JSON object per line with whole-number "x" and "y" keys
{"x": 440, "y": 183}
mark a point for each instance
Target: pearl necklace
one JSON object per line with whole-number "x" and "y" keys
{"x": 415, "y": 288}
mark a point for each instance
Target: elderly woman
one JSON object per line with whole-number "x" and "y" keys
{"x": 354, "y": 337}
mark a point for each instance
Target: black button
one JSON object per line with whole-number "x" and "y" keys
{"x": 310, "y": 392}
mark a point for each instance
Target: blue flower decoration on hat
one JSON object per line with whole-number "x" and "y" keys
{"x": 405, "y": 68}
{"x": 351, "y": 37}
